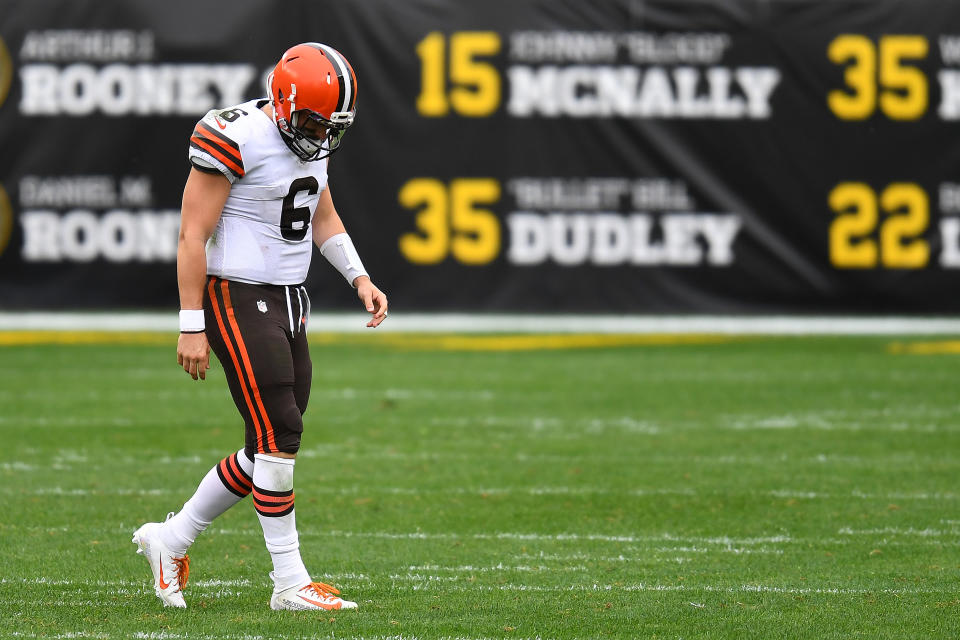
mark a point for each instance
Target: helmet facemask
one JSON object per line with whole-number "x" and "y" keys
{"x": 311, "y": 136}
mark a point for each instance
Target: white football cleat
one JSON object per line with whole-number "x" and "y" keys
{"x": 310, "y": 596}
{"x": 170, "y": 573}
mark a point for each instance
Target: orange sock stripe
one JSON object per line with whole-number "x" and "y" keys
{"x": 260, "y": 496}
{"x": 270, "y": 445}
{"x": 236, "y": 362}
{"x": 280, "y": 509}
{"x": 239, "y": 473}
{"x": 270, "y": 501}
{"x": 273, "y": 503}
{"x": 226, "y": 477}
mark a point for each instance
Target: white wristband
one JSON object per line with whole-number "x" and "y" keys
{"x": 191, "y": 321}
{"x": 340, "y": 252}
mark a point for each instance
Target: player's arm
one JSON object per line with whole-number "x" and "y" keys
{"x": 335, "y": 245}
{"x": 203, "y": 198}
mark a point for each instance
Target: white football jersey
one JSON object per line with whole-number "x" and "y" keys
{"x": 264, "y": 235}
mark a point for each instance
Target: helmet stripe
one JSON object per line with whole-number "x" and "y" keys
{"x": 343, "y": 75}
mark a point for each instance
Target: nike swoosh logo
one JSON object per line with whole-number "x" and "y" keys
{"x": 322, "y": 605}
{"x": 163, "y": 585}
{"x": 220, "y": 124}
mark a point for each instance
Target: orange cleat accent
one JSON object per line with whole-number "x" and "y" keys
{"x": 313, "y": 595}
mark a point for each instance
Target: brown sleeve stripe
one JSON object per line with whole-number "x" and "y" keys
{"x": 209, "y": 132}
{"x": 208, "y": 139}
{"x": 203, "y": 127}
{"x": 229, "y": 148}
{"x": 204, "y": 144}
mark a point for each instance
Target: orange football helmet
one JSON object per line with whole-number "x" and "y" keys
{"x": 314, "y": 94}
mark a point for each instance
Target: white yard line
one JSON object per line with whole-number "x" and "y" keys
{"x": 173, "y": 635}
{"x": 63, "y": 582}
{"x": 897, "y": 531}
{"x": 82, "y": 493}
{"x": 730, "y": 544}
{"x": 64, "y": 635}
{"x": 749, "y": 588}
{"x": 404, "y": 394}
{"x": 373, "y": 490}
{"x": 497, "y": 567}
{"x": 562, "y": 537}
{"x": 450, "y": 583}
{"x": 800, "y": 424}
{"x": 520, "y": 323}
{"x": 65, "y": 421}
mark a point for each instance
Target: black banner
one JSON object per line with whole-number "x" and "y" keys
{"x": 635, "y": 156}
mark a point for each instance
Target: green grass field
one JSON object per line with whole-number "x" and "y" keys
{"x": 504, "y": 488}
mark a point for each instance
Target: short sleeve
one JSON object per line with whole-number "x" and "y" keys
{"x": 216, "y": 150}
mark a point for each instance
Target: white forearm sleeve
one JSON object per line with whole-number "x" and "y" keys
{"x": 340, "y": 252}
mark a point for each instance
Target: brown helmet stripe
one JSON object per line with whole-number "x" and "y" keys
{"x": 348, "y": 86}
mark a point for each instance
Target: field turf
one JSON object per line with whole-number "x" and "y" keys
{"x": 502, "y": 487}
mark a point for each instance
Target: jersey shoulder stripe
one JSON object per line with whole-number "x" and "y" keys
{"x": 206, "y": 138}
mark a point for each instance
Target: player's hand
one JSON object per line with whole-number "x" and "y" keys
{"x": 193, "y": 354}
{"x": 374, "y": 300}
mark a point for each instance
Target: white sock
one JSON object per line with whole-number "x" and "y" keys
{"x": 273, "y": 500}
{"x": 223, "y": 486}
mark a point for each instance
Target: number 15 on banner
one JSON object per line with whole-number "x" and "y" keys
{"x": 474, "y": 86}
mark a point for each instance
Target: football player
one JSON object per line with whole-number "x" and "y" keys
{"x": 255, "y": 201}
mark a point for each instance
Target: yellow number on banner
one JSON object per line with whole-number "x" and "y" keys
{"x": 860, "y": 77}
{"x": 897, "y": 248}
{"x": 478, "y": 90}
{"x": 905, "y": 94}
{"x": 857, "y": 206}
{"x": 905, "y": 97}
{"x": 433, "y": 245}
{"x": 450, "y": 221}
{"x": 900, "y": 247}
{"x": 432, "y": 100}
{"x": 476, "y": 85}
{"x": 478, "y": 230}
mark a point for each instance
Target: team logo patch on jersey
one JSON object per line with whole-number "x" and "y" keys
{"x": 262, "y": 306}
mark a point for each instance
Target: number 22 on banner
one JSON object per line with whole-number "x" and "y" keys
{"x": 449, "y": 220}
{"x": 900, "y": 246}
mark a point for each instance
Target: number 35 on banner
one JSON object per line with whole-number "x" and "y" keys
{"x": 879, "y": 69}
{"x": 451, "y": 220}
